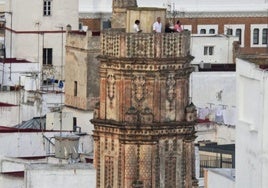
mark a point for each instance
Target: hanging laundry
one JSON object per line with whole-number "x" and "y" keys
{"x": 219, "y": 115}
{"x": 203, "y": 113}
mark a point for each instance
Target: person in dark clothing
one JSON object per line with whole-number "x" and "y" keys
{"x": 167, "y": 28}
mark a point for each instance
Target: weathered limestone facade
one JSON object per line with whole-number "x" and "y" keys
{"x": 82, "y": 80}
{"x": 119, "y": 12}
{"x": 144, "y": 125}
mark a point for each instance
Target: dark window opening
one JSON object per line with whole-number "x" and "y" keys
{"x": 238, "y": 33}
{"x": 202, "y": 31}
{"x": 212, "y": 31}
{"x": 229, "y": 31}
{"x": 264, "y": 36}
{"x": 75, "y": 88}
{"x": 256, "y": 36}
{"x": 47, "y": 56}
{"x": 74, "y": 124}
{"x": 47, "y": 8}
{"x": 106, "y": 24}
{"x": 208, "y": 50}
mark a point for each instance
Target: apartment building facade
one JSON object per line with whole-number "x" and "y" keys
{"x": 242, "y": 18}
{"x": 251, "y": 28}
{"x": 38, "y": 35}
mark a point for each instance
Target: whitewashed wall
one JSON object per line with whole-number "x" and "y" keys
{"x": 214, "y": 82}
{"x": 6, "y": 113}
{"x": 83, "y": 119}
{"x": 41, "y": 104}
{"x": 252, "y": 130}
{"x": 30, "y": 144}
{"x": 8, "y": 181}
{"x": 11, "y": 97}
{"x": 219, "y": 178}
{"x": 222, "y": 134}
{"x": 67, "y": 176}
{"x": 223, "y": 48}
{"x": 29, "y": 45}
{"x": 40, "y": 174}
{"x": 13, "y": 78}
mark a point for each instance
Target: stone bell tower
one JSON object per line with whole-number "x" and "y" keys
{"x": 143, "y": 124}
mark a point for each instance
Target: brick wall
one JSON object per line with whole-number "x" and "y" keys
{"x": 221, "y": 21}
{"x": 94, "y": 24}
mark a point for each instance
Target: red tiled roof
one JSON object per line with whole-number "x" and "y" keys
{"x": 6, "y": 104}
{"x": 15, "y": 174}
{"x": 265, "y": 67}
{"x": 33, "y": 157}
{"x": 14, "y": 60}
{"x": 203, "y": 121}
{"x": 4, "y": 129}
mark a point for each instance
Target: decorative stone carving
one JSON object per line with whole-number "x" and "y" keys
{"x": 147, "y": 85}
{"x": 110, "y": 87}
{"x": 139, "y": 88}
{"x": 170, "y": 89}
{"x": 146, "y": 116}
{"x": 131, "y": 115}
{"x": 191, "y": 112}
{"x": 145, "y": 45}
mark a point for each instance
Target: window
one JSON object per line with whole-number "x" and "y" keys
{"x": 80, "y": 26}
{"x": 74, "y": 124}
{"x": 106, "y": 24}
{"x": 207, "y": 29}
{"x": 237, "y": 30}
{"x": 47, "y": 7}
{"x": 229, "y": 31}
{"x": 75, "y": 88}
{"x": 256, "y": 36}
{"x": 208, "y": 50}
{"x": 238, "y": 33}
{"x": 264, "y": 36}
{"x": 259, "y": 35}
{"x": 47, "y": 56}
{"x": 202, "y": 31}
{"x": 212, "y": 31}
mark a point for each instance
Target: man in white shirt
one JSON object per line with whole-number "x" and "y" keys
{"x": 136, "y": 27}
{"x": 157, "y": 26}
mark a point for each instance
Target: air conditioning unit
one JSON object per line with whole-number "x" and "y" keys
{"x": 196, "y": 68}
{"x": 205, "y": 65}
{"x": 66, "y": 146}
{"x": 5, "y": 88}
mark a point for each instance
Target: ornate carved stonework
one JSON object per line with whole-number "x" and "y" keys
{"x": 139, "y": 88}
{"x": 146, "y": 139}
{"x": 171, "y": 90}
{"x": 110, "y": 87}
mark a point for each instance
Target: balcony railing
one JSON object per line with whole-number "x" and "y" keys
{"x": 217, "y": 163}
{"x": 119, "y": 44}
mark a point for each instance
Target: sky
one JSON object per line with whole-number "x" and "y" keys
{"x": 181, "y": 5}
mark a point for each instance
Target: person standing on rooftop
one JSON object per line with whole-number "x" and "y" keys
{"x": 178, "y": 27}
{"x": 136, "y": 27}
{"x": 157, "y": 26}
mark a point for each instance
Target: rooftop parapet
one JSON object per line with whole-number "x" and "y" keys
{"x": 83, "y": 40}
{"x": 119, "y": 44}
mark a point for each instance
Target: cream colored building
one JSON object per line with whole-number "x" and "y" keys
{"x": 38, "y": 35}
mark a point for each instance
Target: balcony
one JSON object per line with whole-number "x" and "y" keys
{"x": 118, "y": 44}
